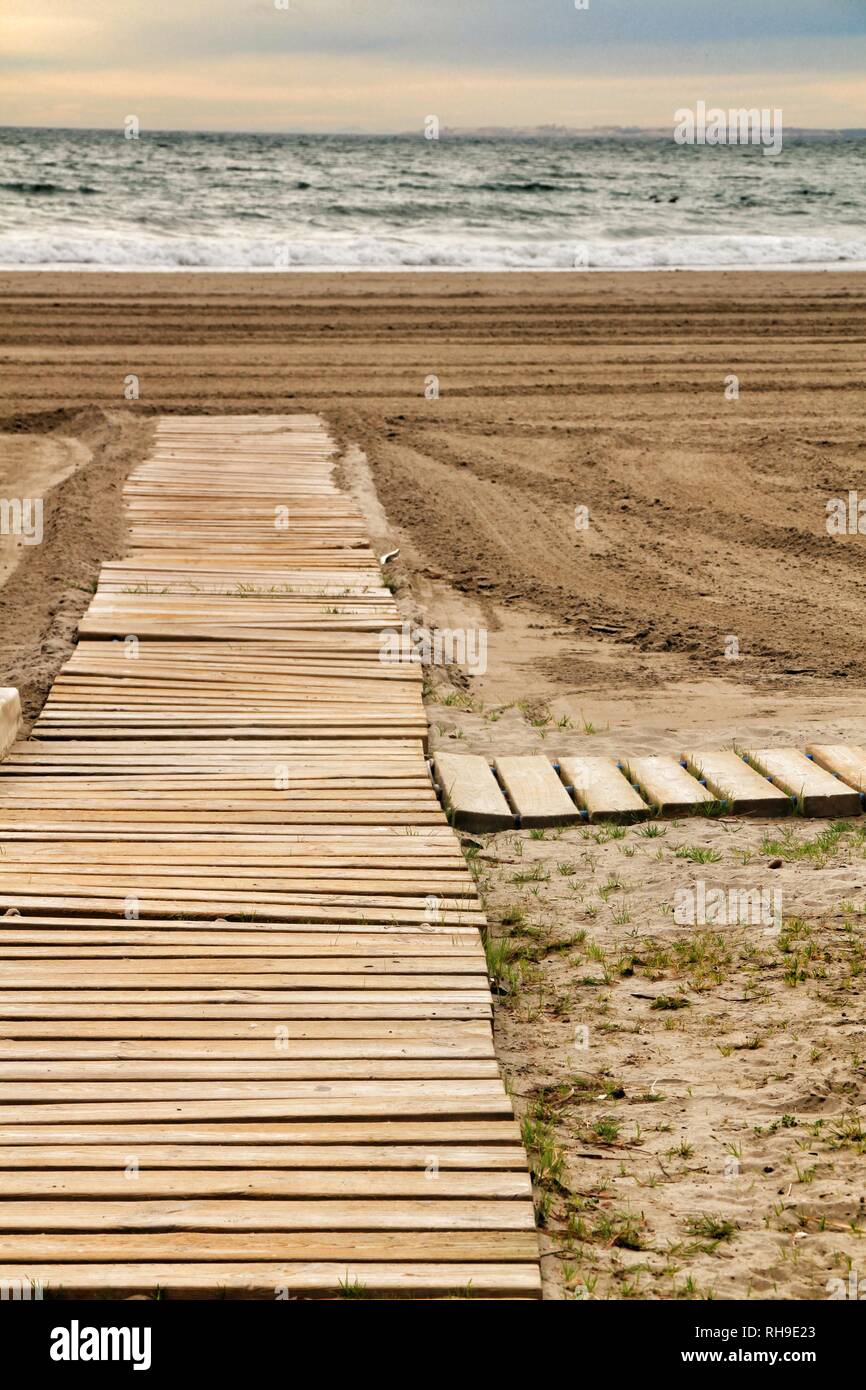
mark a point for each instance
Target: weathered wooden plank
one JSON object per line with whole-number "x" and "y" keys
{"x": 667, "y": 785}
{"x": 535, "y": 791}
{"x": 217, "y": 945}
{"x": 471, "y": 792}
{"x": 332, "y": 1157}
{"x": 358, "y": 1106}
{"x": 186, "y": 1246}
{"x": 264, "y": 1069}
{"x": 267, "y": 1214}
{"x": 435, "y": 1135}
{"x": 844, "y": 760}
{"x": 115, "y": 1031}
{"x": 347, "y": 1005}
{"x": 397, "y": 1277}
{"x": 818, "y": 792}
{"x": 132, "y": 1179}
{"x": 484, "y": 1094}
{"x": 731, "y": 779}
{"x": 601, "y": 789}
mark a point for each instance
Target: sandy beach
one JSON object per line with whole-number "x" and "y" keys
{"x": 706, "y": 514}
{"x": 708, "y": 1150}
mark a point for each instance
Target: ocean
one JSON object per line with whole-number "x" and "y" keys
{"x": 75, "y": 199}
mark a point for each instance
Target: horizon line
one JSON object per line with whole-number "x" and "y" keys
{"x": 491, "y": 130}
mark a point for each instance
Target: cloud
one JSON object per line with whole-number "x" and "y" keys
{"x": 375, "y": 64}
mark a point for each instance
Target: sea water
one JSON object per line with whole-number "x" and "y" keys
{"x": 177, "y": 201}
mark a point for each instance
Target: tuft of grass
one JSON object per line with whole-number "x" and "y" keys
{"x": 352, "y": 1288}
{"x": 698, "y": 854}
{"x": 621, "y": 1229}
{"x": 849, "y": 1133}
{"x": 714, "y": 1228}
{"x": 546, "y": 1157}
{"x": 606, "y": 1129}
{"x": 670, "y": 1001}
{"x": 538, "y": 874}
{"x": 790, "y": 848}
{"x": 502, "y": 968}
{"x": 512, "y": 915}
{"x": 614, "y": 885}
{"x": 609, "y": 832}
{"x": 683, "y": 1150}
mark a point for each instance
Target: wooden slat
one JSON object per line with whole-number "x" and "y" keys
{"x": 471, "y": 792}
{"x": 332, "y": 1157}
{"x": 436, "y": 1136}
{"x": 731, "y": 779}
{"x": 602, "y": 790}
{"x": 397, "y": 1276}
{"x": 131, "y": 1179}
{"x": 535, "y": 791}
{"x": 844, "y": 760}
{"x": 187, "y": 1247}
{"x": 273, "y": 1214}
{"x": 667, "y": 785}
{"x": 817, "y": 791}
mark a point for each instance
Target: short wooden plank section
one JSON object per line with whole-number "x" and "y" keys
{"x": 817, "y": 791}
{"x": 535, "y": 791}
{"x": 601, "y": 790}
{"x": 668, "y": 786}
{"x": 731, "y": 779}
{"x": 471, "y": 792}
{"x": 845, "y": 760}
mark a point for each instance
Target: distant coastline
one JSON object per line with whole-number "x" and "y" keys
{"x": 504, "y": 132}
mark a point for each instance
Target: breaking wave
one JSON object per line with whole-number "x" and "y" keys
{"x": 63, "y": 250}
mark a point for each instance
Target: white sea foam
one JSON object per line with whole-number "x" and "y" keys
{"x": 62, "y": 250}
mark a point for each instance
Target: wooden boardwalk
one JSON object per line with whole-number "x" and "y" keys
{"x": 828, "y": 780}
{"x": 245, "y": 1024}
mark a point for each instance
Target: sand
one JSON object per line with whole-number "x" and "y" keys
{"x": 706, "y": 515}
{"x": 76, "y": 469}
{"x": 738, "y": 1112}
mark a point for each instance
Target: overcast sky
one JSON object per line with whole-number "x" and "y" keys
{"x": 383, "y": 65}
